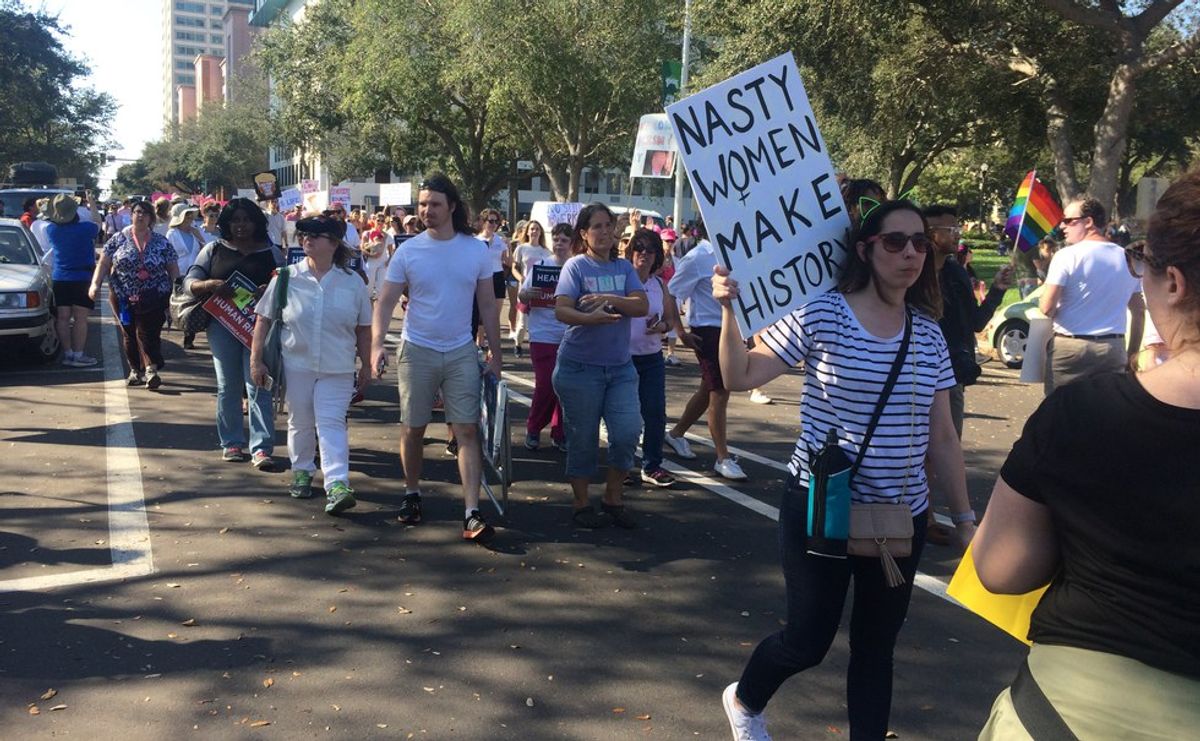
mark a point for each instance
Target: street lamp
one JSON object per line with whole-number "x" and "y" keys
{"x": 983, "y": 170}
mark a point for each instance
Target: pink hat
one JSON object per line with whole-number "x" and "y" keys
{"x": 668, "y": 235}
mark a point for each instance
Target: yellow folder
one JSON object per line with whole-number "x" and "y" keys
{"x": 1009, "y": 612}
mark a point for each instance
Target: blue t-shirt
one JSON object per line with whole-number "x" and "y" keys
{"x": 597, "y": 344}
{"x": 74, "y": 248}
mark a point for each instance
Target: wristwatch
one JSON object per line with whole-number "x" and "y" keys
{"x": 959, "y": 518}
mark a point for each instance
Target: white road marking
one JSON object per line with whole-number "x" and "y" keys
{"x": 930, "y": 584}
{"x": 128, "y": 529}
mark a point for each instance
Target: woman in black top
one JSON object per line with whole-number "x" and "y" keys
{"x": 243, "y": 248}
{"x": 1100, "y": 498}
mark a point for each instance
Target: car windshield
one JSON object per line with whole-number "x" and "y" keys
{"x": 15, "y": 248}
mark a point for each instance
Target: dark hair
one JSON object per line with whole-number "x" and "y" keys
{"x": 1095, "y": 209}
{"x": 29, "y": 204}
{"x": 562, "y": 228}
{"x": 162, "y": 208}
{"x": 855, "y": 188}
{"x": 925, "y": 294}
{"x": 699, "y": 231}
{"x": 252, "y": 210}
{"x": 583, "y": 221}
{"x": 1174, "y": 233}
{"x": 438, "y": 183}
{"x": 145, "y": 207}
{"x": 646, "y": 240}
{"x": 938, "y": 210}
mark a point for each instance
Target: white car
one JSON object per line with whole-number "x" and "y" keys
{"x": 26, "y": 293}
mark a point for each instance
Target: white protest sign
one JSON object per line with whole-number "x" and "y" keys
{"x": 290, "y": 198}
{"x": 247, "y": 193}
{"x": 562, "y": 213}
{"x": 654, "y": 148}
{"x": 766, "y": 188}
{"x": 340, "y": 194}
{"x": 316, "y": 201}
{"x": 395, "y": 194}
{"x": 308, "y": 186}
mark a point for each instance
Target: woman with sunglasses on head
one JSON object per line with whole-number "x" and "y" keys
{"x": 1107, "y": 514}
{"x": 882, "y": 318}
{"x": 245, "y": 248}
{"x": 143, "y": 266}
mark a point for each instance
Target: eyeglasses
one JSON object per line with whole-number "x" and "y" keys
{"x": 1069, "y": 220}
{"x": 493, "y": 220}
{"x": 897, "y": 241}
{"x": 1137, "y": 258}
{"x": 954, "y": 231}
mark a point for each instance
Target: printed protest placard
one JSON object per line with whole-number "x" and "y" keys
{"x": 290, "y": 198}
{"x": 309, "y": 186}
{"x": 654, "y": 148}
{"x": 296, "y": 254}
{"x": 340, "y": 194}
{"x": 544, "y": 279}
{"x": 395, "y": 194}
{"x": 237, "y": 313}
{"x": 766, "y": 188}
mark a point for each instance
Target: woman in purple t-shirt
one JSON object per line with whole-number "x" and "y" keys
{"x": 594, "y": 377}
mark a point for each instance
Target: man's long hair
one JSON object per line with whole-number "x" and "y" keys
{"x": 439, "y": 183}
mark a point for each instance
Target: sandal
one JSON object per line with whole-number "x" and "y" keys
{"x": 620, "y": 517}
{"x": 590, "y": 519}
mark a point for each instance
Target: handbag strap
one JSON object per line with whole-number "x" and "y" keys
{"x": 888, "y": 385}
{"x": 281, "y": 286}
{"x": 1039, "y": 717}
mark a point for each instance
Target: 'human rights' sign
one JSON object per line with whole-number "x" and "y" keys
{"x": 766, "y": 188}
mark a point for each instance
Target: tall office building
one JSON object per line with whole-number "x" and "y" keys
{"x": 190, "y": 28}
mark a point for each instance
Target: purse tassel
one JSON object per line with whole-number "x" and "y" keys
{"x": 891, "y": 570}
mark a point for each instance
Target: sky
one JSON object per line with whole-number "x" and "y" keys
{"x": 121, "y": 42}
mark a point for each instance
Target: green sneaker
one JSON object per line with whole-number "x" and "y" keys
{"x": 339, "y": 498}
{"x": 301, "y": 487}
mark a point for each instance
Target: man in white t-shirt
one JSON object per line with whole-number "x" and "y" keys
{"x": 1088, "y": 288}
{"x": 444, "y": 271}
{"x": 276, "y": 225}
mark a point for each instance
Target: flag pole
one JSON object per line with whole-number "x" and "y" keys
{"x": 1032, "y": 178}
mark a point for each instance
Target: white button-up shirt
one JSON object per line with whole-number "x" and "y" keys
{"x": 320, "y": 318}
{"x": 692, "y": 282}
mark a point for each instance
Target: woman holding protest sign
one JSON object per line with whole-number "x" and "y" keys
{"x": 530, "y": 241}
{"x": 143, "y": 267}
{"x": 594, "y": 378}
{"x": 545, "y": 334}
{"x": 225, "y": 271}
{"x": 326, "y": 315}
{"x": 874, "y": 413}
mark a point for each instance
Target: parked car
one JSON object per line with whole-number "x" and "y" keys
{"x": 13, "y": 199}
{"x": 1008, "y": 329}
{"x": 26, "y": 295}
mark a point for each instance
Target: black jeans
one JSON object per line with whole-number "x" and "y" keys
{"x": 816, "y": 591}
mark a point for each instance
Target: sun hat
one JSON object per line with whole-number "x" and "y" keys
{"x": 179, "y": 214}
{"x": 62, "y": 209}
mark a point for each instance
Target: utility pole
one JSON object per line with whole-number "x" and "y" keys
{"x": 683, "y": 81}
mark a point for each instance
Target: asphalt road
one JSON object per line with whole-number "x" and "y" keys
{"x": 159, "y": 592}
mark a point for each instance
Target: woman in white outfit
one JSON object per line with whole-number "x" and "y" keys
{"x": 327, "y": 321}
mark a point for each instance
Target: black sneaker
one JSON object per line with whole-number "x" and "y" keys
{"x": 476, "y": 528}
{"x": 620, "y": 516}
{"x": 410, "y": 509}
{"x": 452, "y": 448}
{"x": 590, "y": 519}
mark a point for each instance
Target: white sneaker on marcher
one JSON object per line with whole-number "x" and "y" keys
{"x": 758, "y": 397}
{"x": 680, "y": 446}
{"x": 730, "y": 469}
{"x": 745, "y": 726}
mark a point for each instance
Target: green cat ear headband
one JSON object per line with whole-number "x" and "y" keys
{"x": 867, "y": 205}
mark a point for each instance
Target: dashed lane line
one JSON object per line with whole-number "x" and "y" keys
{"x": 128, "y": 528}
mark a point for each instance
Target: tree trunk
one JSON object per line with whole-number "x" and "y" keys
{"x": 575, "y": 170}
{"x": 1060, "y": 146}
{"x": 1110, "y": 137}
{"x": 558, "y": 180}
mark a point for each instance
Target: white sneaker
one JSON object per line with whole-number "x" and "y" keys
{"x": 84, "y": 361}
{"x": 680, "y": 446}
{"x": 730, "y": 469}
{"x": 671, "y": 360}
{"x": 758, "y": 397}
{"x": 745, "y": 726}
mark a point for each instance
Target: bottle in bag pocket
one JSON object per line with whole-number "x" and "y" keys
{"x": 828, "y": 526}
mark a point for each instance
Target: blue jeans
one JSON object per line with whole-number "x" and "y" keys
{"x": 652, "y": 393}
{"x": 588, "y": 393}
{"x": 816, "y": 592}
{"x": 231, "y": 359}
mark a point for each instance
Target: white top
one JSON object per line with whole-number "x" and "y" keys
{"x": 441, "y": 276}
{"x": 320, "y": 318}
{"x": 496, "y": 249}
{"x": 542, "y": 324}
{"x": 641, "y": 343}
{"x": 692, "y": 282}
{"x": 376, "y": 270}
{"x": 526, "y": 254}
{"x": 1096, "y": 287}
{"x": 352, "y": 237}
{"x": 275, "y": 226}
{"x": 186, "y": 248}
{"x": 845, "y": 369}
{"x": 38, "y": 228}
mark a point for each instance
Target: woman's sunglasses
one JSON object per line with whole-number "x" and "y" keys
{"x": 897, "y": 241}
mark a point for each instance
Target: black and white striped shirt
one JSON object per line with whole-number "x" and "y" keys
{"x": 845, "y": 368}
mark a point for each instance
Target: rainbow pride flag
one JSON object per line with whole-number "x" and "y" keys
{"x": 1033, "y": 215}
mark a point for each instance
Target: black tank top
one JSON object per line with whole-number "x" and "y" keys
{"x": 257, "y": 266}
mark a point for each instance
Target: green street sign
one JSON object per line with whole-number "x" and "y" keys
{"x": 672, "y": 72}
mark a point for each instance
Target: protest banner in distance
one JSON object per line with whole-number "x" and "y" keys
{"x": 654, "y": 148}
{"x": 766, "y": 188}
{"x": 309, "y": 186}
{"x": 562, "y": 213}
{"x": 290, "y": 198}
{"x": 316, "y": 201}
{"x": 250, "y": 193}
{"x": 340, "y": 194}
{"x": 237, "y": 313}
{"x": 395, "y": 194}
{"x": 544, "y": 280}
